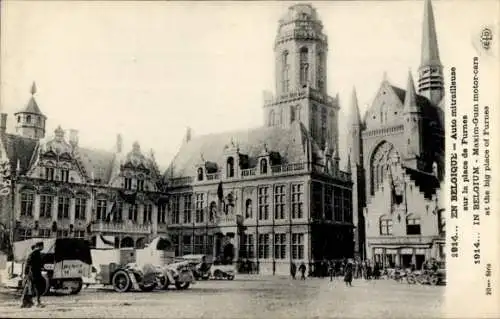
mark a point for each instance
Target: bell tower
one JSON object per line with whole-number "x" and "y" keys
{"x": 300, "y": 51}
{"x": 30, "y": 121}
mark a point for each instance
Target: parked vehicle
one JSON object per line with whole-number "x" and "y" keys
{"x": 131, "y": 276}
{"x": 65, "y": 262}
{"x": 223, "y": 272}
{"x": 178, "y": 274}
{"x": 200, "y": 265}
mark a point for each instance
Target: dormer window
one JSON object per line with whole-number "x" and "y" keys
{"x": 263, "y": 166}
{"x": 49, "y": 173}
{"x": 200, "y": 174}
{"x": 230, "y": 167}
{"x": 140, "y": 185}
{"x": 128, "y": 183}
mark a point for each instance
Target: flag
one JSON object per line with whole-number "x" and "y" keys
{"x": 112, "y": 212}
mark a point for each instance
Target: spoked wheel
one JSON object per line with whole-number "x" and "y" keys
{"x": 411, "y": 280}
{"x": 434, "y": 280}
{"x": 74, "y": 286}
{"x": 218, "y": 274}
{"x": 164, "y": 283}
{"x": 121, "y": 281}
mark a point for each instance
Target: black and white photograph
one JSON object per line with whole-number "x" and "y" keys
{"x": 260, "y": 159}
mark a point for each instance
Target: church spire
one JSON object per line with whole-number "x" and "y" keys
{"x": 430, "y": 50}
{"x": 430, "y": 81}
{"x": 410, "y": 104}
{"x": 355, "y": 117}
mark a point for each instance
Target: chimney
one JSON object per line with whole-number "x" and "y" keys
{"x": 73, "y": 137}
{"x": 3, "y": 122}
{"x": 119, "y": 143}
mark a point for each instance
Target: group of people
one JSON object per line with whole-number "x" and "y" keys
{"x": 302, "y": 270}
{"x": 33, "y": 280}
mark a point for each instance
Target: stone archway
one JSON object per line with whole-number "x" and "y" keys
{"x": 127, "y": 242}
{"x": 140, "y": 243}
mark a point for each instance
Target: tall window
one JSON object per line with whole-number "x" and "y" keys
{"x": 162, "y": 213}
{"x": 65, "y": 175}
{"x": 297, "y": 201}
{"x": 128, "y": 183}
{"x": 46, "y": 206}
{"x": 63, "y": 207}
{"x": 200, "y": 173}
{"x": 297, "y": 246}
{"x": 140, "y": 185}
{"x": 317, "y": 200}
{"x": 80, "y": 208}
{"x": 320, "y": 74}
{"x": 176, "y": 244}
{"x": 314, "y": 121}
{"x": 188, "y": 206}
{"x": 279, "y": 202}
{"x": 118, "y": 212}
{"x": 412, "y": 225}
{"x": 280, "y": 246}
{"x": 347, "y": 205}
{"x": 263, "y": 203}
{"x": 323, "y": 126}
{"x": 441, "y": 221}
{"x": 175, "y": 210}
{"x": 272, "y": 118}
{"x": 337, "y": 208}
{"x": 286, "y": 70}
{"x": 49, "y": 173}
{"x": 101, "y": 208}
{"x": 385, "y": 225}
{"x": 213, "y": 211}
{"x": 230, "y": 167}
{"x": 304, "y": 66}
{"x": 264, "y": 246}
{"x": 132, "y": 212}
{"x": 27, "y": 200}
{"x": 200, "y": 203}
{"x": 198, "y": 244}
{"x": 147, "y": 217}
{"x": 28, "y": 119}
{"x": 328, "y": 202}
{"x": 263, "y": 166}
{"x": 248, "y": 246}
{"x": 44, "y": 233}
{"x": 248, "y": 208}
{"x": 292, "y": 114}
{"x": 186, "y": 244}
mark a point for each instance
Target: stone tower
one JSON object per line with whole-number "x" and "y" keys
{"x": 300, "y": 51}
{"x": 430, "y": 80}
{"x": 30, "y": 121}
{"x": 355, "y": 162}
{"x": 412, "y": 121}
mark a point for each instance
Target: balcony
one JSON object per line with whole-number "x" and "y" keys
{"x": 125, "y": 227}
{"x": 229, "y": 220}
{"x": 213, "y": 177}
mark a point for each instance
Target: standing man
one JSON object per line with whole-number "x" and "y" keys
{"x": 35, "y": 264}
{"x": 293, "y": 270}
{"x": 302, "y": 269}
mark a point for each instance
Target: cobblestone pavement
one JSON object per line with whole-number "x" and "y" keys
{"x": 246, "y": 297}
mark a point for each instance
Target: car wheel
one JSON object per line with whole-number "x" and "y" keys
{"x": 164, "y": 283}
{"x": 76, "y": 287}
{"x": 121, "y": 281}
{"x": 218, "y": 274}
{"x": 182, "y": 285}
{"x": 434, "y": 280}
{"x": 230, "y": 278}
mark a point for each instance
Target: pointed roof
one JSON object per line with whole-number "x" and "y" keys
{"x": 430, "y": 50}
{"x": 410, "y": 99}
{"x": 355, "y": 117}
{"x": 32, "y": 106}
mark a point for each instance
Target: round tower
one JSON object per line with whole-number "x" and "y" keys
{"x": 30, "y": 121}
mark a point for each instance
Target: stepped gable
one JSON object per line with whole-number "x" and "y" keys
{"x": 19, "y": 148}
{"x": 427, "y": 183}
{"x": 290, "y": 143}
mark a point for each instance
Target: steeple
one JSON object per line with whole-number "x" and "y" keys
{"x": 410, "y": 104}
{"x": 354, "y": 116}
{"x": 30, "y": 120}
{"x": 430, "y": 82}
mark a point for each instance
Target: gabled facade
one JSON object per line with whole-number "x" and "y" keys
{"x": 397, "y": 155}
{"x": 275, "y": 194}
{"x": 63, "y": 189}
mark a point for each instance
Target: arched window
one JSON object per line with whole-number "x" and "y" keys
{"x": 379, "y": 164}
{"x": 314, "y": 121}
{"x": 18, "y": 118}
{"x": 297, "y": 112}
{"x": 263, "y": 166}
{"x": 248, "y": 208}
{"x": 272, "y": 118}
{"x": 286, "y": 70}
{"x": 200, "y": 173}
{"x": 230, "y": 167}
{"x": 28, "y": 119}
{"x": 320, "y": 74}
{"x": 292, "y": 114}
{"x": 323, "y": 126}
{"x": 412, "y": 225}
{"x": 385, "y": 225}
{"x": 304, "y": 66}
{"x": 213, "y": 211}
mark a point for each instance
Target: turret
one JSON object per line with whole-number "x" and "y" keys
{"x": 355, "y": 127}
{"x": 412, "y": 115}
{"x": 30, "y": 120}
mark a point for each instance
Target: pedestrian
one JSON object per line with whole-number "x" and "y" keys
{"x": 302, "y": 269}
{"x": 293, "y": 270}
{"x": 331, "y": 269}
{"x": 27, "y": 293}
{"x": 35, "y": 263}
{"x": 348, "y": 275}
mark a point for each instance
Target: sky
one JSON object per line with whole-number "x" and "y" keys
{"x": 149, "y": 70}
